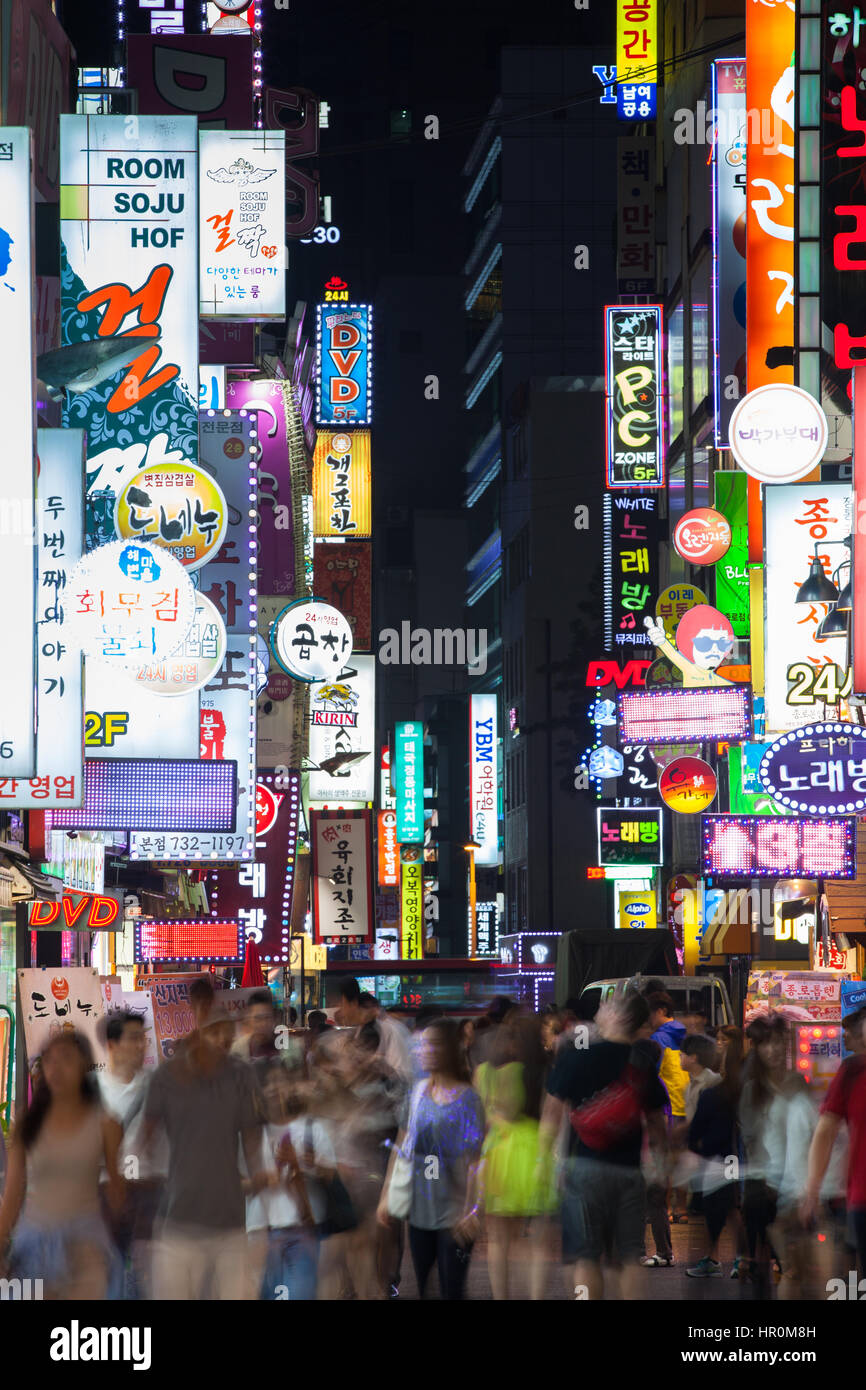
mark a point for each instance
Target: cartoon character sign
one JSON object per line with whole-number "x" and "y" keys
{"x": 704, "y": 639}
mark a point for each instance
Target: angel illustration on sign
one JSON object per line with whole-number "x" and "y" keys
{"x": 704, "y": 638}
{"x": 241, "y": 173}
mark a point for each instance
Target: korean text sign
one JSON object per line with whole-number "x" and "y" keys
{"x": 17, "y": 471}
{"x": 344, "y": 342}
{"x": 729, "y": 259}
{"x": 818, "y": 769}
{"x": 635, "y": 241}
{"x": 343, "y": 887}
{"x": 483, "y": 757}
{"x": 412, "y": 909}
{"x": 341, "y": 484}
{"x": 343, "y": 577}
{"x": 409, "y": 782}
{"x": 60, "y": 999}
{"x": 342, "y": 718}
{"x": 242, "y": 242}
{"x": 629, "y": 836}
{"x": 631, "y": 544}
{"x": 272, "y": 403}
{"x": 771, "y": 847}
{"x": 635, "y": 414}
{"x": 636, "y": 59}
{"x": 843, "y": 213}
{"x": 129, "y": 267}
{"x": 797, "y": 517}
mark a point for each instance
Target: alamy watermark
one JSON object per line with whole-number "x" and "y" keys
{"x": 438, "y": 646}
{"x": 734, "y": 129}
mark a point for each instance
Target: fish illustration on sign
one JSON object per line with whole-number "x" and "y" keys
{"x": 82, "y": 366}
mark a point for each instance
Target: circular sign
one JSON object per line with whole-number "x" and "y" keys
{"x": 673, "y": 602}
{"x": 778, "y": 433}
{"x": 59, "y": 988}
{"x": 820, "y": 769}
{"x": 311, "y": 640}
{"x": 704, "y": 636}
{"x": 263, "y": 663}
{"x": 178, "y": 507}
{"x": 267, "y": 806}
{"x": 688, "y": 785}
{"x": 703, "y": 536}
{"x": 129, "y": 603}
{"x": 195, "y": 662}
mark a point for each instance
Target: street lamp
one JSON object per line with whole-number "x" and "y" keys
{"x": 470, "y": 847}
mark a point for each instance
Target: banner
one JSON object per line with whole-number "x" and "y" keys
{"x": 635, "y": 226}
{"x": 129, "y": 267}
{"x": 342, "y": 734}
{"x": 242, "y": 223}
{"x": 342, "y": 504}
{"x": 729, "y": 242}
{"x": 61, "y": 999}
{"x": 17, "y": 470}
{"x": 796, "y": 517}
{"x": 634, "y": 386}
{"x": 342, "y": 880}
{"x": 343, "y": 577}
{"x": 483, "y": 778}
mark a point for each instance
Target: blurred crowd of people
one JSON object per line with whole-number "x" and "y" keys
{"x": 269, "y": 1162}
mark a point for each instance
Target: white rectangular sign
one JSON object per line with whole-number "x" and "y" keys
{"x": 797, "y": 517}
{"x": 17, "y": 469}
{"x": 341, "y": 886}
{"x": 123, "y": 720}
{"x": 342, "y": 721}
{"x": 56, "y": 998}
{"x": 242, "y": 230}
{"x": 483, "y": 793}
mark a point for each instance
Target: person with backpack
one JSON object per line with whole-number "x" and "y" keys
{"x": 608, "y": 1096}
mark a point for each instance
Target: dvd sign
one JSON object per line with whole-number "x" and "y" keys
{"x": 702, "y": 536}
{"x": 76, "y": 912}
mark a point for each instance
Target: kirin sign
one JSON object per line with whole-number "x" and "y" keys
{"x": 820, "y": 768}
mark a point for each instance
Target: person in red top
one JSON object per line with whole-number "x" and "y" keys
{"x": 845, "y": 1100}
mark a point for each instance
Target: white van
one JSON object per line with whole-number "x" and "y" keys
{"x": 690, "y": 994}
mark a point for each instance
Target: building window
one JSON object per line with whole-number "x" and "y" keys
{"x": 522, "y": 897}
{"x": 401, "y": 122}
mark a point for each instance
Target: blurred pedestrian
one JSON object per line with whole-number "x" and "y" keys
{"x": 257, "y": 1038}
{"x": 845, "y": 1101}
{"x": 765, "y": 1075}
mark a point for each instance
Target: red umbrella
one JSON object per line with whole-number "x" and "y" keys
{"x": 253, "y": 977}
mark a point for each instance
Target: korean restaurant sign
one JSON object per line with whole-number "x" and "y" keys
{"x": 17, "y": 471}
{"x": 796, "y": 517}
{"x": 702, "y": 536}
{"x": 57, "y": 779}
{"x": 342, "y": 483}
{"x": 629, "y": 836}
{"x": 635, "y": 416}
{"x": 311, "y": 640}
{"x": 180, "y": 508}
{"x": 411, "y": 903}
{"x": 408, "y": 780}
{"x": 344, "y": 360}
{"x": 483, "y": 780}
{"x": 729, "y": 240}
{"x": 636, "y": 59}
{"x": 342, "y": 721}
{"x": 688, "y": 785}
{"x": 61, "y": 999}
{"x": 631, "y": 558}
{"x": 195, "y": 662}
{"x": 242, "y": 242}
{"x": 775, "y": 847}
{"x": 128, "y": 603}
{"x": 819, "y": 769}
{"x": 778, "y": 433}
{"x": 129, "y": 267}
{"x": 342, "y": 878}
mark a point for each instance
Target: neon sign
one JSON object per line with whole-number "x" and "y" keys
{"x": 776, "y": 847}
{"x": 684, "y": 716}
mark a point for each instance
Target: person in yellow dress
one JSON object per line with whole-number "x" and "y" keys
{"x": 519, "y": 1184}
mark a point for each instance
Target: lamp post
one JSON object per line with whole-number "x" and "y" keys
{"x": 470, "y": 847}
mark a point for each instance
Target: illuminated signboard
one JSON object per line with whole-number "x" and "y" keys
{"x": 771, "y": 40}
{"x": 635, "y": 203}
{"x": 820, "y": 769}
{"x": 311, "y": 640}
{"x": 17, "y": 570}
{"x": 636, "y": 59}
{"x": 80, "y": 912}
{"x": 408, "y": 782}
{"x": 775, "y": 847}
{"x": 688, "y": 785}
{"x": 633, "y": 375}
{"x": 729, "y": 242}
{"x": 797, "y": 518}
{"x": 342, "y": 880}
{"x": 486, "y": 929}
{"x": 343, "y": 576}
{"x": 341, "y": 484}
{"x": 483, "y": 758}
{"x": 186, "y": 796}
{"x": 195, "y": 662}
{"x": 778, "y": 433}
{"x": 129, "y": 603}
{"x": 129, "y": 263}
{"x": 260, "y": 894}
{"x": 529, "y": 951}
{"x": 271, "y": 402}
{"x": 732, "y": 576}
{"x": 389, "y": 853}
{"x": 684, "y": 716}
{"x": 411, "y": 906}
{"x": 746, "y": 795}
{"x": 181, "y": 509}
{"x": 242, "y": 224}
{"x": 631, "y": 564}
{"x": 843, "y": 270}
{"x": 344, "y": 349}
{"x": 629, "y": 836}
{"x": 202, "y": 939}
{"x": 702, "y": 536}
{"x": 342, "y": 734}
{"x": 57, "y": 779}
